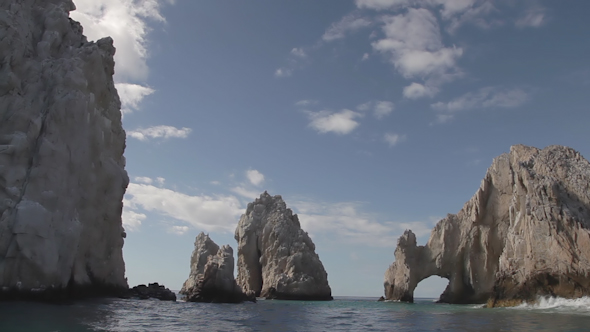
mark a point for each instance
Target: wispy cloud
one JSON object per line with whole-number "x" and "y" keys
{"x": 244, "y": 192}
{"x": 532, "y": 18}
{"x": 383, "y": 109}
{"x": 349, "y": 23}
{"x": 131, "y": 96}
{"x": 298, "y": 52}
{"x": 417, "y": 90}
{"x": 306, "y": 102}
{"x": 340, "y": 123}
{"x": 345, "y": 222}
{"x": 178, "y": 230}
{"x": 488, "y": 97}
{"x": 132, "y": 220}
{"x": 283, "y": 72}
{"x": 211, "y": 213}
{"x": 163, "y": 132}
{"x": 143, "y": 179}
{"x": 393, "y": 139}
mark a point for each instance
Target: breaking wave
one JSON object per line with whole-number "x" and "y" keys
{"x": 557, "y": 304}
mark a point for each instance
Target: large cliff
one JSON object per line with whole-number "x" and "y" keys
{"x": 62, "y": 175}
{"x": 524, "y": 233}
{"x": 276, "y": 258}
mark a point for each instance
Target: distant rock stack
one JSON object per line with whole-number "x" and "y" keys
{"x": 62, "y": 176}
{"x": 212, "y": 274}
{"x": 276, "y": 258}
{"x": 525, "y": 233}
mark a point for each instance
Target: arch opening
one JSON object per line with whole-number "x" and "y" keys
{"x": 431, "y": 288}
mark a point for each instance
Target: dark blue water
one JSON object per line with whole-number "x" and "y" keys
{"x": 342, "y": 314}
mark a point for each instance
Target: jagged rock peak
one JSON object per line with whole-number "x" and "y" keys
{"x": 62, "y": 176}
{"x": 524, "y": 233}
{"x": 212, "y": 274}
{"x": 276, "y": 258}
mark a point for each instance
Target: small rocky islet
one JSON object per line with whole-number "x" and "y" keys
{"x": 525, "y": 233}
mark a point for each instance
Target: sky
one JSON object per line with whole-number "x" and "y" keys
{"x": 368, "y": 117}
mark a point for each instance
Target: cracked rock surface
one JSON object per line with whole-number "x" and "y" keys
{"x": 524, "y": 233}
{"x": 62, "y": 176}
{"x": 276, "y": 258}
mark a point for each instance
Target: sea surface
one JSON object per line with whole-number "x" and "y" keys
{"x": 342, "y": 314}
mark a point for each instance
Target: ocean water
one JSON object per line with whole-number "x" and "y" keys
{"x": 342, "y": 314}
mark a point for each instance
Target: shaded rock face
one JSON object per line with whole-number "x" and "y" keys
{"x": 62, "y": 175}
{"x": 212, "y": 274}
{"x": 524, "y": 233}
{"x": 276, "y": 258}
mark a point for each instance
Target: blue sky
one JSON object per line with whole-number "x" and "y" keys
{"x": 369, "y": 116}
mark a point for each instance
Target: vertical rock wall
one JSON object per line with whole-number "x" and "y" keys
{"x": 62, "y": 176}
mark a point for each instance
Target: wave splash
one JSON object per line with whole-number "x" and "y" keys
{"x": 557, "y": 304}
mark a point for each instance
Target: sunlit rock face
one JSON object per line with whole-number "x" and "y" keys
{"x": 524, "y": 233}
{"x": 212, "y": 274}
{"x": 62, "y": 175}
{"x": 276, "y": 258}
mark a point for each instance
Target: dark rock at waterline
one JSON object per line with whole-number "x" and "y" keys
{"x": 154, "y": 290}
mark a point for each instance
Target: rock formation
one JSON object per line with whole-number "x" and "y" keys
{"x": 62, "y": 175}
{"x": 276, "y": 258}
{"x": 524, "y": 233}
{"x": 153, "y": 290}
{"x": 212, "y": 274}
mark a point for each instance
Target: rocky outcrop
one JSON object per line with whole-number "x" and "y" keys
{"x": 524, "y": 233}
{"x": 62, "y": 175}
{"x": 153, "y": 290}
{"x": 276, "y": 258}
{"x": 212, "y": 274}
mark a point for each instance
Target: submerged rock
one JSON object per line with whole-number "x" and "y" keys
{"x": 276, "y": 258}
{"x": 62, "y": 175}
{"x": 153, "y": 290}
{"x": 525, "y": 233}
{"x": 212, "y": 274}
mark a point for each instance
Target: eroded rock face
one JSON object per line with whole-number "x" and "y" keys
{"x": 212, "y": 274}
{"x": 524, "y": 233}
{"x": 276, "y": 258}
{"x": 62, "y": 175}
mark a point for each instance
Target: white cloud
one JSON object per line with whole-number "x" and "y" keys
{"x": 131, "y": 219}
{"x": 383, "y": 108}
{"x": 164, "y": 132}
{"x": 245, "y": 192}
{"x": 417, "y": 90}
{"x": 215, "y": 183}
{"x": 218, "y": 213}
{"x": 131, "y": 95}
{"x": 306, "y": 102}
{"x": 349, "y": 23}
{"x": 255, "y": 177}
{"x": 126, "y": 21}
{"x": 393, "y": 139}
{"x": 381, "y": 4}
{"x": 283, "y": 72}
{"x": 414, "y": 45}
{"x": 143, "y": 179}
{"x": 533, "y": 18}
{"x": 365, "y": 57}
{"x": 340, "y": 123}
{"x": 298, "y": 52}
{"x": 178, "y": 230}
{"x": 488, "y": 97}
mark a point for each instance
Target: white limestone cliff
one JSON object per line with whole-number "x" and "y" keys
{"x": 212, "y": 274}
{"x": 525, "y": 233}
{"x": 276, "y": 258}
{"x": 62, "y": 176}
